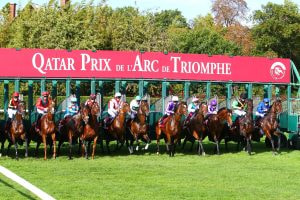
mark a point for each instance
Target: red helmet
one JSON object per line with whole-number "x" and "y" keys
{"x": 45, "y": 93}
{"x": 93, "y": 96}
{"x": 16, "y": 94}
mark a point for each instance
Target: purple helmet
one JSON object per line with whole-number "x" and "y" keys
{"x": 213, "y": 102}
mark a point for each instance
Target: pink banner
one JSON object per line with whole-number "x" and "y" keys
{"x": 38, "y": 63}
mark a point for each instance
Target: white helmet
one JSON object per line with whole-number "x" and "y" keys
{"x": 118, "y": 94}
{"x": 73, "y": 99}
{"x": 175, "y": 98}
{"x": 195, "y": 99}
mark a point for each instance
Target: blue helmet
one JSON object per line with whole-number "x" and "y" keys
{"x": 266, "y": 100}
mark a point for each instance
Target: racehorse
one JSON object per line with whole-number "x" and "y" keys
{"x": 138, "y": 127}
{"x": 91, "y": 128}
{"x": 172, "y": 128}
{"x": 17, "y": 129}
{"x": 48, "y": 128}
{"x": 269, "y": 124}
{"x": 70, "y": 131}
{"x": 196, "y": 128}
{"x": 216, "y": 124}
{"x": 116, "y": 130}
{"x": 246, "y": 124}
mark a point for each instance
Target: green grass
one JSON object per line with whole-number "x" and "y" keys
{"x": 145, "y": 175}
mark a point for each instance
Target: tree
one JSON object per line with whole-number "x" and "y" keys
{"x": 229, "y": 12}
{"x": 277, "y": 29}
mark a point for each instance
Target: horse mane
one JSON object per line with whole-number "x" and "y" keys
{"x": 222, "y": 109}
{"x": 179, "y": 103}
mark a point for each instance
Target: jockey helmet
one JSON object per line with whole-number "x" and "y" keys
{"x": 16, "y": 94}
{"x": 118, "y": 94}
{"x": 138, "y": 98}
{"x": 45, "y": 94}
{"x": 266, "y": 100}
{"x": 195, "y": 100}
{"x": 175, "y": 98}
{"x": 213, "y": 102}
{"x": 73, "y": 99}
{"x": 93, "y": 96}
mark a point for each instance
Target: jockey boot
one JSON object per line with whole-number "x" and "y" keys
{"x": 38, "y": 124}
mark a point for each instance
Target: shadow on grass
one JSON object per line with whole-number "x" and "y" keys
{"x": 12, "y": 187}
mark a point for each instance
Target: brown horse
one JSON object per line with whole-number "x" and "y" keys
{"x": 91, "y": 128}
{"x": 172, "y": 128}
{"x": 70, "y": 131}
{"x": 116, "y": 130}
{"x": 269, "y": 124}
{"x": 196, "y": 128}
{"x": 138, "y": 127}
{"x": 17, "y": 129}
{"x": 48, "y": 128}
{"x": 246, "y": 124}
{"x": 216, "y": 124}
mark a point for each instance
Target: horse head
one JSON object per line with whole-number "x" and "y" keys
{"x": 124, "y": 108}
{"x": 52, "y": 104}
{"x": 95, "y": 110}
{"x": 144, "y": 108}
{"x": 85, "y": 112}
{"x": 21, "y": 109}
{"x": 225, "y": 114}
{"x": 181, "y": 109}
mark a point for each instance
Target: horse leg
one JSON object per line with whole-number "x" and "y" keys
{"x": 2, "y": 148}
{"x": 107, "y": 146}
{"x": 137, "y": 142}
{"x": 45, "y": 146}
{"x": 184, "y": 142}
{"x": 70, "y": 146}
{"x": 26, "y": 147}
{"x": 8, "y": 148}
{"x": 158, "y": 132}
{"x": 54, "y": 145}
{"x": 38, "y": 143}
{"x": 85, "y": 149}
{"x": 249, "y": 145}
{"x": 59, "y": 146}
{"x": 94, "y": 147}
{"x": 217, "y": 145}
{"x": 82, "y": 147}
{"x": 279, "y": 140}
{"x": 79, "y": 146}
{"x": 145, "y": 136}
{"x": 13, "y": 139}
{"x": 268, "y": 134}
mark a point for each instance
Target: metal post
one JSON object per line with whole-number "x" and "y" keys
{"x": 68, "y": 87}
{"x": 17, "y": 85}
{"x": 289, "y": 95}
{"x": 229, "y": 95}
{"x": 208, "y": 90}
{"x": 93, "y": 86}
{"x": 6, "y": 97}
{"x": 187, "y": 85}
{"x": 145, "y": 87}
{"x": 141, "y": 88}
{"x": 43, "y": 85}
{"x": 101, "y": 91}
{"x": 117, "y": 86}
{"x": 249, "y": 90}
{"x": 77, "y": 86}
{"x": 54, "y": 89}
{"x": 164, "y": 93}
{"x": 123, "y": 87}
{"x": 269, "y": 91}
{"x": 277, "y": 91}
{"x": 30, "y": 99}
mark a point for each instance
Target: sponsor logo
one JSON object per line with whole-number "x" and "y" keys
{"x": 277, "y": 70}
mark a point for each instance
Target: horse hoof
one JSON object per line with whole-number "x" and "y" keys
{"x": 157, "y": 153}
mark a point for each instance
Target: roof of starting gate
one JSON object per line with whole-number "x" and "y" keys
{"x": 82, "y": 64}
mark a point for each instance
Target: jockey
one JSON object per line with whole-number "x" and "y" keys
{"x": 263, "y": 108}
{"x": 170, "y": 109}
{"x": 134, "y": 106}
{"x": 113, "y": 108}
{"x": 238, "y": 105}
{"x": 213, "y": 107}
{"x": 91, "y": 101}
{"x": 42, "y": 105}
{"x": 12, "y": 108}
{"x": 192, "y": 107}
{"x": 73, "y": 108}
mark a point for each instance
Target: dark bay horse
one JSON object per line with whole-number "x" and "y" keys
{"x": 246, "y": 125}
{"x": 172, "y": 128}
{"x": 48, "y": 128}
{"x": 91, "y": 128}
{"x": 17, "y": 130}
{"x": 117, "y": 130}
{"x": 269, "y": 124}
{"x": 71, "y": 131}
{"x": 196, "y": 128}
{"x": 216, "y": 124}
